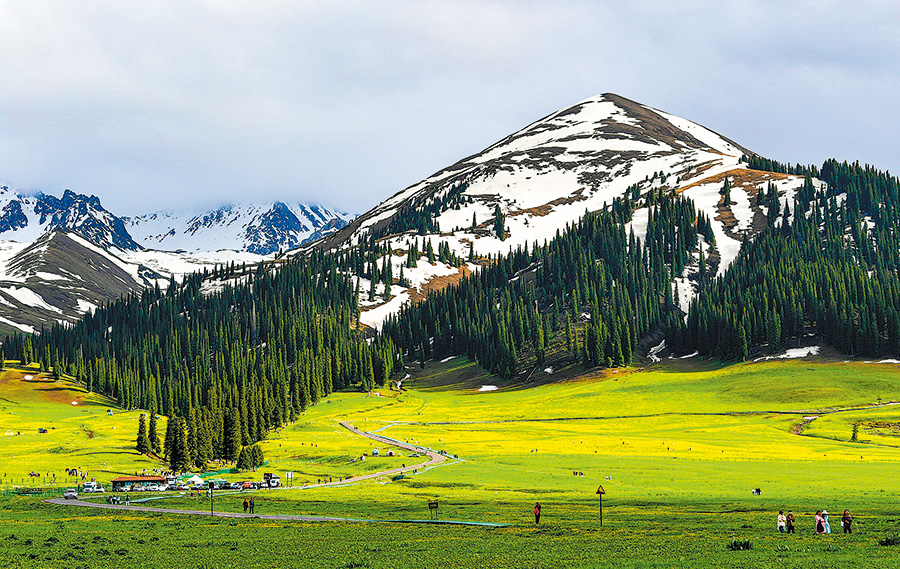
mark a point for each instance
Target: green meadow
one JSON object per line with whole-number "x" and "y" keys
{"x": 677, "y": 447}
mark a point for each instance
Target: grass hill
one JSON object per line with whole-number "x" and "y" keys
{"x": 80, "y": 432}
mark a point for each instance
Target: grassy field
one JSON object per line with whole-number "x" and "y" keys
{"x": 677, "y": 447}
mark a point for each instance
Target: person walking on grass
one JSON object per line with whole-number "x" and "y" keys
{"x": 246, "y": 503}
{"x": 825, "y": 522}
{"x": 820, "y": 523}
{"x": 127, "y": 499}
{"x": 846, "y": 521}
{"x": 790, "y": 521}
{"x": 252, "y": 505}
{"x": 537, "y": 513}
{"x": 782, "y": 521}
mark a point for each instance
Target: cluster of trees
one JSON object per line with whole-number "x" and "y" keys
{"x": 602, "y": 288}
{"x": 421, "y": 218}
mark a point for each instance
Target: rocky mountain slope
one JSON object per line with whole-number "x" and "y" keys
{"x": 547, "y": 175}
{"x": 25, "y": 218}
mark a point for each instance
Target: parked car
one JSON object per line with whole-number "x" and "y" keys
{"x": 70, "y": 494}
{"x": 152, "y": 488}
{"x": 246, "y": 485}
{"x": 199, "y": 486}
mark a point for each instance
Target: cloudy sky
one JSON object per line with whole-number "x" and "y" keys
{"x": 184, "y": 104}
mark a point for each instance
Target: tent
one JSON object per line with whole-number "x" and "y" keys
{"x": 193, "y": 480}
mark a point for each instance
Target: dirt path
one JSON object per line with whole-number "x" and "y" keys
{"x": 435, "y": 459}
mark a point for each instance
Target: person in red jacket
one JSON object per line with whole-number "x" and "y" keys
{"x": 537, "y": 513}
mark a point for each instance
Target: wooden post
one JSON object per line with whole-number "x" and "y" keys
{"x": 601, "y": 492}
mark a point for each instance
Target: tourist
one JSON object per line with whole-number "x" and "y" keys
{"x": 825, "y": 521}
{"x": 127, "y": 500}
{"x": 790, "y": 521}
{"x": 820, "y": 523}
{"x": 246, "y": 503}
{"x": 782, "y": 521}
{"x": 537, "y": 513}
{"x": 252, "y": 505}
{"x": 846, "y": 521}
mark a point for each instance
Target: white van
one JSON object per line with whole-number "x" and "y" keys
{"x": 92, "y": 487}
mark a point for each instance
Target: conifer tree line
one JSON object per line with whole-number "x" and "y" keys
{"x": 227, "y": 365}
{"x": 831, "y": 267}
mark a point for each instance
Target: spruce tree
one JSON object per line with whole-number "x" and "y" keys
{"x": 143, "y": 443}
{"x": 153, "y": 436}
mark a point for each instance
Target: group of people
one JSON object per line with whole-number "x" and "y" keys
{"x": 786, "y": 522}
{"x": 118, "y": 500}
{"x": 249, "y": 504}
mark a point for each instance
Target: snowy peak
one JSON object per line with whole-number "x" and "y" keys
{"x": 259, "y": 229}
{"x": 529, "y": 186}
{"x": 549, "y": 173}
{"x": 25, "y": 218}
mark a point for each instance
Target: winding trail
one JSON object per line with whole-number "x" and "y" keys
{"x": 435, "y": 458}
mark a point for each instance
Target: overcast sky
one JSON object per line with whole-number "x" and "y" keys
{"x": 184, "y": 105}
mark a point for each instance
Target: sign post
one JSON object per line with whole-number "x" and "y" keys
{"x": 211, "y": 486}
{"x": 290, "y": 476}
{"x": 601, "y": 492}
{"x": 432, "y": 508}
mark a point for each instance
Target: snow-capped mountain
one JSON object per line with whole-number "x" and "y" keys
{"x": 260, "y": 229}
{"x": 24, "y": 218}
{"x": 60, "y": 257}
{"x": 551, "y": 172}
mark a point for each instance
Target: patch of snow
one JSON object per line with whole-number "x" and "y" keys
{"x": 793, "y": 353}
{"x": 28, "y": 377}
{"x": 488, "y": 388}
{"x": 49, "y": 276}
{"x": 23, "y": 327}
{"x": 691, "y": 355}
{"x": 888, "y": 362}
{"x": 376, "y": 316}
{"x": 28, "y": 297}
{"x": 548, "y": 370}
{"x": 655, "y": 350}
{"x": 445, "y": 360}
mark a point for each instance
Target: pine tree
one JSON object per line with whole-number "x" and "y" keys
{"x": 143, "y": 443}
{"x": 178, "y": 456}
{"x": 153, "y": 436}
{"x": 499, "y": 223}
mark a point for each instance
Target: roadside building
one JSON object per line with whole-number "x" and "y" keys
{"x": 123, "y": 483}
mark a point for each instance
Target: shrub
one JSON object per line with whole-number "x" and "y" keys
{"x": 890, "y": 540}
{"x": 737, "y": 545}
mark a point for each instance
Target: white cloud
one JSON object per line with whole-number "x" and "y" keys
{"x": 347, "y": 102}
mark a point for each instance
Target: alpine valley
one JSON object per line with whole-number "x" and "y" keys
{"x": 612, "y": 304}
